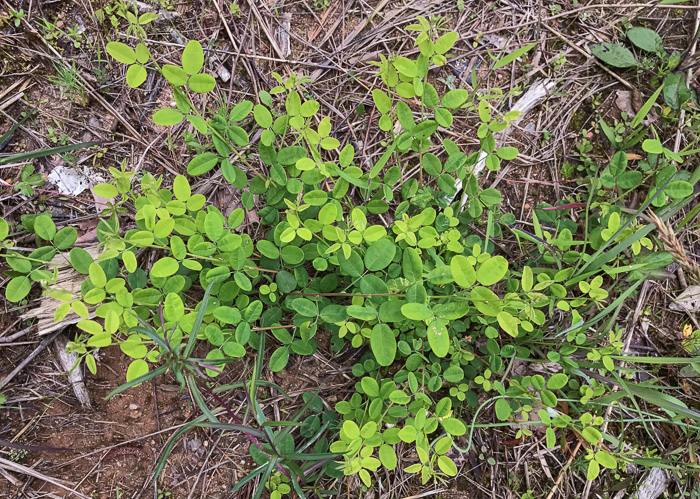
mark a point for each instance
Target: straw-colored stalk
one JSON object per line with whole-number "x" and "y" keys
{"x": 671, "y": 244}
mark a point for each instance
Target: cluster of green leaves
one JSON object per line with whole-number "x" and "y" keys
{"x": 136, "y": 73}
{"x": 673, "y": 83}
{"x": 645, "y": 39}
{"x": 37, "y": 266}
{"x": 121, "y": 9}
{"x": 28, "y": 180}
{"x": 444, "y": 317}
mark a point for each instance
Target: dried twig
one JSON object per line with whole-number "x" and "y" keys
{"x": 12, "y": 466}
{"x": 42, "y": 346}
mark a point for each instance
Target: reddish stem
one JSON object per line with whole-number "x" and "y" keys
{"x": 238, "y": 421}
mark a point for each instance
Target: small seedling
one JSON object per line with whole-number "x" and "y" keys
{"x": 17, "y": 15}
{"x": 28, "y": 181}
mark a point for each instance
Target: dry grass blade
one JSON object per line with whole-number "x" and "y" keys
{"x": 11, "y": 466}
{"x": 674, "y": 246}
{"x": 42, "y": 346}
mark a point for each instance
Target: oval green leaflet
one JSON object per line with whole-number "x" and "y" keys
{"x": 65, "y": 238}
{"x": 202, "y": 163}
{"x": 17, "y": 288}
{"x": 383, "y": 344}
{"x": 454, "y": 426}
{"x": 136, "y": 75}
{"x": 379, "y": 254}
{"x": 305, "y": 307}
{"x": 121, "y": 52}
{"x": 503, "y": 409}
{"x": 387, "y": 456}
{"x": 438, "y": 336}
{"x": 201, "y": 83}
{"x": 416, "y": 311}
{"x": 164, "y": 267}
{"x": 166, "y": 117}
{"x": 492, "y": 270}
{"x": 174, "y": 307}
{"x": 370, "y": 386}
{"x": 175, "y": 75}
{"x": 262, "y": 116}
{"x": 44, "y": 227}
{"x": 193, "y": 57}
{"x": 97, "y": 275}
{"x": 137, "y": 368}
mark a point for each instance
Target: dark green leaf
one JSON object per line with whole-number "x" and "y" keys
{"x": 614, "y": 55}
{"x": 279, "y": 359}
{"x": 380, "y": 254}
{"x": 645, "y": 39}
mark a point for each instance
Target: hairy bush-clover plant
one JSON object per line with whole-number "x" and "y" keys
{"x": 443, "y": 317}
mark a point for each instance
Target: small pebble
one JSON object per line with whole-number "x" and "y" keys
{"x": 193, "y": 445}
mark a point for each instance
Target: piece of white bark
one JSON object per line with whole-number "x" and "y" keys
{"x": 653, "y": 485}
{"x": 75, "y": 376}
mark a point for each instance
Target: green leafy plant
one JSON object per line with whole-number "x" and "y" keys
{"x": 121, "y": 9}
{"x": 28, "y": 180}
{"x": 645, "y": 39}
{"x": 17, "y": 16}
{"x": 674, "y": 86}
{"x": 67, "y": 78}
{"x": 320, "y": 4}
{"x": 444, "y": 317}
{"x": 391, "y": 308}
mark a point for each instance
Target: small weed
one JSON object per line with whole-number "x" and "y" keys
{"x": 17, "y": 16}
{"x": 68, "y": 81}
{"x": 29, "y": 180}
{"x": 75, "y": 35}
{"x": 123, "y": 10}
{"x": 17, "y": 455}
{"x": 320, "y": 5}
{"x": 61, "y": 139}
{"x": 558, "y": 62}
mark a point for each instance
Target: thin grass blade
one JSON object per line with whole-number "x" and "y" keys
{"x": 137, "y": 381}
{"x": 27, "y": 156}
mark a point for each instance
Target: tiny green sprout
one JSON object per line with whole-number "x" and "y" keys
{"x": 320, "y": 5}
{"x": 29, "y": 180}
{"x": 270, "y": 291}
